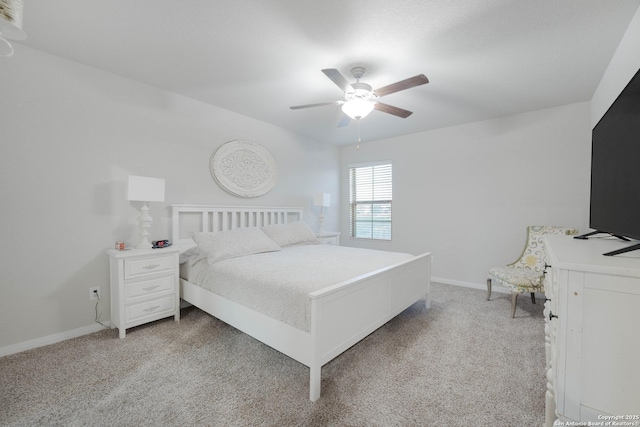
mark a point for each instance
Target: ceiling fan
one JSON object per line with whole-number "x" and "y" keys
{"x": 361, "y": 99}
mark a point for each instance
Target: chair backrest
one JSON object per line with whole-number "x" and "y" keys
{"x": 533, "y": 255}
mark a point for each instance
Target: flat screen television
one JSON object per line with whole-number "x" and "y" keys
{"x": 615, "y": 169}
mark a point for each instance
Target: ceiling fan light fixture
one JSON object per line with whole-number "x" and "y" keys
{"x": 357, "y": 108}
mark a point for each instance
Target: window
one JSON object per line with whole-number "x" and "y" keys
{"x": 370, "y": 201}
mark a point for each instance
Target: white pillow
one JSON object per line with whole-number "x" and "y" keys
{"x": 293, "y": 233}
{"x": 190, "y": 254}
{"x": 234, "y": 243}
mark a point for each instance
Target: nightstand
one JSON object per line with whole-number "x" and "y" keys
{"x": 144, "y": 286}
{"x": 329, "y": 238}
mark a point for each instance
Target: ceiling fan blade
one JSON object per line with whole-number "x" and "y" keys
{"x": 386, "y": 108}
{"x": 337, "y": 78}
{"x": 414, "y": 81}
{"x": 344, "y": 121}
{"x": 319, "y": 104}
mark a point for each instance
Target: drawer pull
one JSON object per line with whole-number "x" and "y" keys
{"x": 551, "y": 316}
{"x": 151, "y": 266}
{"x": 150, "y": 288}
{"x": 150, "y": 309}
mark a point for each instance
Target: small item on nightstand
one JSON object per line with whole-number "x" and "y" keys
{"x": 159, "y": 244}
{"x": 119, "y": 246}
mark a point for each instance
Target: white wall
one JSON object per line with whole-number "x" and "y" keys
{"x": 623, "y": 66}
{"x": 70, "y": 135}
{"x": 467, "y": 193}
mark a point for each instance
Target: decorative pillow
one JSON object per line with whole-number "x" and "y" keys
{"x": 293, "y": 233}
{"x": 234, "y": 243}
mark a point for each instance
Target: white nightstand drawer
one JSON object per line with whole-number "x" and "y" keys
{"x": 140, "y": 267}
{"x": 149, "y": 287}
{"x": 150, "y": 308}
{"x": 329, "y": 238}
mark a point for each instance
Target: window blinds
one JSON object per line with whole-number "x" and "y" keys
{"x": 370, "y": 196}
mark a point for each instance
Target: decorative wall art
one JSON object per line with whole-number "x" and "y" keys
{"x": 244, "y": 168}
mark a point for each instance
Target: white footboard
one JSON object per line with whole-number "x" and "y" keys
{"x": 343, "y": 314}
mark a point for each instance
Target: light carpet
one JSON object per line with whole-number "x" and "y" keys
{"x": 464, "y": 362}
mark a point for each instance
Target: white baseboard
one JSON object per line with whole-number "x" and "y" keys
{"x": 483, "y": 287}
{"x": 51, "y": 339}
{"x": 494, "y": 288}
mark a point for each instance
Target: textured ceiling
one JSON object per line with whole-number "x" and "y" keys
{"x": 484, "y": 59}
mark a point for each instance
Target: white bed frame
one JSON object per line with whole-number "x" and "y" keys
{"x": 341, "y": 314}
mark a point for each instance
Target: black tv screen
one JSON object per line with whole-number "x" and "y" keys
{"x": 615, "y": 166}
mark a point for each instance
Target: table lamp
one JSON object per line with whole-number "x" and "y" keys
{"x": 324, "y": 201}
{"x": 145, "y": 189}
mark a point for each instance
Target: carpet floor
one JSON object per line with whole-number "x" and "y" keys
{"x": 464, "y": 362}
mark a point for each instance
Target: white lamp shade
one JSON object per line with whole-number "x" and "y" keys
{"x": 357, "y": 108}
{"x": 11, "y": 19}
{"x": 145, "y": 189}
{"x": 322, "y": 199}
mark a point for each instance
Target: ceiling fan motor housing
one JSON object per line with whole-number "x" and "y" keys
{"x": 360, "y": 91}
{"x": 357, "y": 72}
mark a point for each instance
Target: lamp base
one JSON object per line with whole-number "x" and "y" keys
{"x": 144, "y": 223}
{"x": 144, "y": 245}
{"x": 321, "y": 222}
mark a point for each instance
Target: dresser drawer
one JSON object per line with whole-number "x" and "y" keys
{"x": 149, "y": 287}
{"x": 154, "y": 307}
{"x": 141, "y": 267}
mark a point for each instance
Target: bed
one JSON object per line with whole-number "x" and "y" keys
{"x": 337, "y": 313}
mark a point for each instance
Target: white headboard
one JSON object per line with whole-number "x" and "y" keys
{"x": 188, "y": 219}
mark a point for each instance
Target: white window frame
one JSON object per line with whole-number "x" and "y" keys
{"x": 385, "y": 201}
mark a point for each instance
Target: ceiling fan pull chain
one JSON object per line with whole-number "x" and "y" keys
{"x": 359, "y": 140}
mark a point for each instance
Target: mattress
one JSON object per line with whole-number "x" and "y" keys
{"x": 277, "y": 284}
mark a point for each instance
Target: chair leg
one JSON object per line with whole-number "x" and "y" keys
{"x": 488, "y": 289}
{"x": 533, "y": 298}
{"x": 514, "y": 299}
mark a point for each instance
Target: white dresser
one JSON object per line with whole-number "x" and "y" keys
{"x": 144, "y": 286}
{"x": 592, "y": 329}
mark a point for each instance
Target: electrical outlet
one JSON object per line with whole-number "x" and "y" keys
{"x": 94, "y": 293}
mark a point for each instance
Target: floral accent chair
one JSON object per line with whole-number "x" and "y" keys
{"x": 527, "y": 273}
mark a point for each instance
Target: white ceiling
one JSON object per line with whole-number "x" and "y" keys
{"x": 484, "y": 59}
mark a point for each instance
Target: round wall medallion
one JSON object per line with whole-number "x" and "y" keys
{"x": 244, "y": 168}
